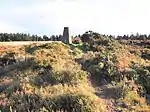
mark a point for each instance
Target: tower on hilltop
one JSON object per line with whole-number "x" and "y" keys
{"x": 66, "y": 38}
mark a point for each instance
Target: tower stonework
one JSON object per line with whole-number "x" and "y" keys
{"x": 66, "y": 38}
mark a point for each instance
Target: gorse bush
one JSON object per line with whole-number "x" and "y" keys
{"x": 66, "y": 103}
{"x": 72, "y": 103}
{"x": 58, "y": 65}
{"x": 146, "y": 55}
{"x": 70, "y": 77}
{"x": 101, "y": 65}
{"x": 134, "y": 102}
{"x": 143, "y": 74}
{"x": 77, "y": 52}
{"x": 49, "y": 77}
{"x": 129, "y": 98}
{"x": 53, "y": 55}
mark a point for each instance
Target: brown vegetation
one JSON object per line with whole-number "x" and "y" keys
{"x": 100, "y": 75}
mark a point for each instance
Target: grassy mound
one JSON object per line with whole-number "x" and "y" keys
{"x": 53, "y": 81}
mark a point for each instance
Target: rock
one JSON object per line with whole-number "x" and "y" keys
{"x": 122, "y": 104}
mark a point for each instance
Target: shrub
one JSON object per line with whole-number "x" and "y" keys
{"x": 135, "y": 103}
{"x": 65, "y": 102}
{"x": 102, "y": 66}
{"x": 146, "y": 55}
{"x": 71, "y": 103}
{"x": 76, "y": 40}
{"x": 58, "y": 65}
{"x": 69, "y": 77}
{"x": 143, "y": 77}
{"x": 102, "y": 42}
{"x": 54, "y": 55}
{"x": 77, "y": 52}
{"x": 86, "y": 37}
{"x": 130, "y": 99}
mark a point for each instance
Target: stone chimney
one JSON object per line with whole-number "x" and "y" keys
{"x": 66, "y": 38}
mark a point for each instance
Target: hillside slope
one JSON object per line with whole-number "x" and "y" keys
{"x": 101, "y": 76}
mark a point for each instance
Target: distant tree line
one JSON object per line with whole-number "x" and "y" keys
{"x": 27, "y": 37}
{"x": 89, "y": 36}
{"x": 134, "y": 37}
{"x": 86, "y": 36}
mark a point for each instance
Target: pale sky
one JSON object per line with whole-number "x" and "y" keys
{"x": 50, "y": 16}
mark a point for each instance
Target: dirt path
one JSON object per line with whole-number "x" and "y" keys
{"x": 106, "y": 94}
{"x": 107, "y": 97}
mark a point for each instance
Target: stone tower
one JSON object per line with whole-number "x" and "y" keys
{"x": 66, "y": 38}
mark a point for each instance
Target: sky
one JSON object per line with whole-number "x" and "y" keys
{"x": 48, "y": 17}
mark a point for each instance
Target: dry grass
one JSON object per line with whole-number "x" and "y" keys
{"x": 60, "y": 60}
{"x": 135, "y": 102}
